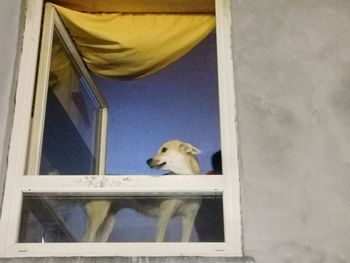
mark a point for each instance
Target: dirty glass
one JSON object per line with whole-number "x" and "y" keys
{"x": 48, "y": 219}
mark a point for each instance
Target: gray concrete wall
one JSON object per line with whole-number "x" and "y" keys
{"x": 292, "y": 66}
{"x": 10, "y": 29}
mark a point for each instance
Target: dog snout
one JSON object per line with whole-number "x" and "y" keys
{"x": 149, "y": 162}
{"x": 155, "y": 163}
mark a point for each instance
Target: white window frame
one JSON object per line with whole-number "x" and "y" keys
{"x": 52, "y": 23}
{"x": 18, "y": 184}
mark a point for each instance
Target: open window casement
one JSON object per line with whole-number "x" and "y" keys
{"x": 59, "y": 160}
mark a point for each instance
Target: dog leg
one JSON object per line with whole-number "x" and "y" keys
{"x": 167, "y": 210}
{"x": 105, "y": 229}
{"x": 96, "y": 212}
{"x": 188, "y": 220}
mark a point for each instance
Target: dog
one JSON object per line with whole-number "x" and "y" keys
{"x": 179, "y": 158}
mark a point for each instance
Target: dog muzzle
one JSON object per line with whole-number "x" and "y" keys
{"x": 155, "y": 164}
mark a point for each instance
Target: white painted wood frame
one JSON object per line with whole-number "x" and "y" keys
{"x": 17, "y": 183}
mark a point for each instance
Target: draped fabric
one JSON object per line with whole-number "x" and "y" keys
{"x": 139, "y": 6}
{"x": 134, "y": 45}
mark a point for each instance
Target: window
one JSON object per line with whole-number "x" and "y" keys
{"x": 50, "y": 196}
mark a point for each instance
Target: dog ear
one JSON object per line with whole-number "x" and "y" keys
{"x": 189, "y": 148}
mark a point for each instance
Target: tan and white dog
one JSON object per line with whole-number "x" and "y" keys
{"x": 179, "y": 158}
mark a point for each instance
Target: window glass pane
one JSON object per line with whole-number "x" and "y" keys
{"x": 179, "y": 102}
{"x": 71, "y": 122}
{"x": 125, "y": 219}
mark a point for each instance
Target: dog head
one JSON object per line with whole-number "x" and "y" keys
{"x": 177, "y": 157}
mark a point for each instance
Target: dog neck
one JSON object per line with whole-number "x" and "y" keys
{"x": 192, "y": 167}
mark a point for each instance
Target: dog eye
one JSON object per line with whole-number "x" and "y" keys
{"x": 164, "y": 149}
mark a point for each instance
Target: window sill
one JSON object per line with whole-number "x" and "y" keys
{"x": 133, "y": 260}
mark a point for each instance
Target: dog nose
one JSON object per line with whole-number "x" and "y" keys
{"x": 149, "y": 161}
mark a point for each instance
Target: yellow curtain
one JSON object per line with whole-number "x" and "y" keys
{"x": 134, "y": 45}
{"x": 139, "y": 6}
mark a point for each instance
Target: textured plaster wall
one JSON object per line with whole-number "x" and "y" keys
{"x": 10, "y": 19}
{"x": 292, "y": 66}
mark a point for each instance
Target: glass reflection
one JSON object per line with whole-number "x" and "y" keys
{"x": 125, "y": 219}
{"x": 71, "y": 120}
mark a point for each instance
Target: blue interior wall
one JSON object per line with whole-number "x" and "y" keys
{"x": 179, "y": 102}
